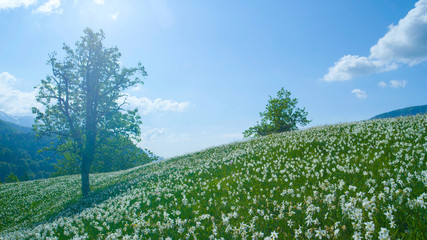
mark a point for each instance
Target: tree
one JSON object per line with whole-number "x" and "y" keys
{"x": 83, "y": 101}
{"x": 281, "y": 115}
{"x": 11, "y": 178}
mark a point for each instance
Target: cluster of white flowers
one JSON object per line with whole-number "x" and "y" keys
{"x": 364, "y": 180}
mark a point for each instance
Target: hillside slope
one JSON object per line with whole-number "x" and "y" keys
{"x": 20, "y": 156}
{"x": 365, "y": 179}
{"x": 409, "y": 111}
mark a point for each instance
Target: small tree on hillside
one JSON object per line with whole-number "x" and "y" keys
{"x": 281, "y": 115}
{"x": 81, "y": 99}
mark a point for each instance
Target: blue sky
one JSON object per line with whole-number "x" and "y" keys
{"x": 213, "y": 64}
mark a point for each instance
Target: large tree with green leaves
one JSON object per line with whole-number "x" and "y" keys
{"x": 281, "y": 115}
{"x": 83, "y": 99}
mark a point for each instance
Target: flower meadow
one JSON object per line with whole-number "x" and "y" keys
{"x": 363, "y": 180}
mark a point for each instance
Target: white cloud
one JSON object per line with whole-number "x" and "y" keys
{"x": 359, "y": 93}
{"x": 351, "y": 66}
{"x": 397, "y": 83}
{"x": 405, "y": 43}
{"x": 100, "y": 2}
{"x": 393, "y": 84}
{"x": 114, "y": 16}
{"x": 147, "y": 106}
{"x": 182, "y": 137}
{"x": 382, "y": 84}
{"x": 16, "y": 102}
{"x": 162, "y": 135}
{"x": 10, "y": 4}
{"x": 51, "y": 6}
{"x": 153, "y": 134}
{"x": 13, "y": 101}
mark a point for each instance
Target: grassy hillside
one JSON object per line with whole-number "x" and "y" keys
{"x": 357, "y": 180}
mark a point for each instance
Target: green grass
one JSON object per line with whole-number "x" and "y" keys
{"x": 364, "y": 180}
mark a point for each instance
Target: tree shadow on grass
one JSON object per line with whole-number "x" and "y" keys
{"x": 76, "y": 206}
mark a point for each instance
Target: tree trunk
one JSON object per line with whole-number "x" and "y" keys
{"x": 89, "y": 153}
{"x": 90, "y": 133}
{"x": 88, "y": 157}
{"x": 85, "y": 179}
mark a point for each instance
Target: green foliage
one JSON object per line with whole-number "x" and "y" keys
{"x": 20, "y": 155}
{"x": 281, "y": 115}
{"x": 11, "y": 178}
{"x": 113, "y": 154}
{"x": 118, "y": 154}
{"x": 83, "y": 99}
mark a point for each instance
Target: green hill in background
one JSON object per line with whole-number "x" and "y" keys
{"x": 21, "y": 158}
{"x": 409, "y": 111}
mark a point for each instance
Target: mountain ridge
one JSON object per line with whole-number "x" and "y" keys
{"x": 25, "y": 121}
{"x": 401, "y": 112}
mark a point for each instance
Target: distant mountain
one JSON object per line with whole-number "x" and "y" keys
{"x": 403, "y": 112}
{"x": 15, "y": 127}
{"x": 20, "y": 156}
{"x": 25, "y": 121}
